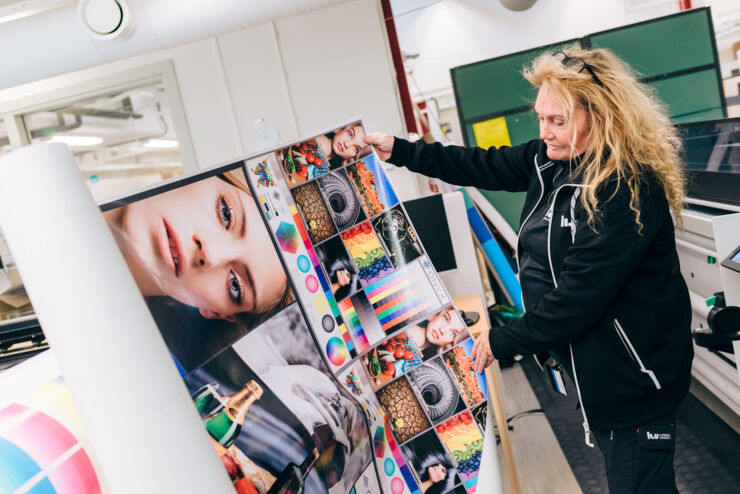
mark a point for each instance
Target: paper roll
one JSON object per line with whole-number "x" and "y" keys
{"x": 138, "y": 414}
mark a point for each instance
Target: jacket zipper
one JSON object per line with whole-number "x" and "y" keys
{"x": 586, "y": 426}
{"x": 542, "y": 193}
{"x": 633, "y": 353}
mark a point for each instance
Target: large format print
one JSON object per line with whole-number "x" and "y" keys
{"x": 319, "y": 345}
{"x": 408, "y": 348}
{"x": 283, "y": 352}
{"x": 295, "y": 414}
{"x": 204, "y": 261}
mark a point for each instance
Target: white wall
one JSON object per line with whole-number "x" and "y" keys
{"x": 456, "y": 32}
{"x": 450, "y": 33}
{"x": 335, "y": 65}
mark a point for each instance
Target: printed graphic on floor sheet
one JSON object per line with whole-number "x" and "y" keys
{"x": 320, "y": 347}
{"x": 43, "y": 446}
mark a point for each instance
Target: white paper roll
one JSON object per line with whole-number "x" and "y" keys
{"x": 489, "y": 475}
{"x": 138, "y": 414}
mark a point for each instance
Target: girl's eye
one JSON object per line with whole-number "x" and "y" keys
{"x": 236, "y": 292}
{"x": 351, "y": 132}
{"x": 225, "y": 212}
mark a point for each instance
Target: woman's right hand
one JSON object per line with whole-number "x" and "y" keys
{"x": 383, "y": 144}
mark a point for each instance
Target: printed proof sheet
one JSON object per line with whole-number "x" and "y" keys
{"x": 319, "y": 345}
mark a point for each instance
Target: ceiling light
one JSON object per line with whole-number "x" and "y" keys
{"x": 161, "y": 143}
{"x": 77, "y": 140}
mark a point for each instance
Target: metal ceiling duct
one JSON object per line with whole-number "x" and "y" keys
{"x": 57, "y": 41}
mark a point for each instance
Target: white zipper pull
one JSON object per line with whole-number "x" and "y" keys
{"x": 587, "y": 431}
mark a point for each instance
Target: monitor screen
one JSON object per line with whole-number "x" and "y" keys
{"x": 430, "y": 220}
{"x": 712, "y": 146}
{"x": 711, "y": 155}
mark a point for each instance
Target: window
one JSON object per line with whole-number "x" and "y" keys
{"x": 122, "y": 140}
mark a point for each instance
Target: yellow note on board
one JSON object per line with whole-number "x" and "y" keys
{"x": 492, "y": 132}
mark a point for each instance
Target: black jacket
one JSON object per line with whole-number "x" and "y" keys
{"x": 618, "y": 302}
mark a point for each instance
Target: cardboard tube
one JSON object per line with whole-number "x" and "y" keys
{"x": 143, "y": 427}
{"x": 496, "y": 402}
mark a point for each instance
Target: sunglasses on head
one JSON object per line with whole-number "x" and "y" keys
{"x": 579, "y": 65}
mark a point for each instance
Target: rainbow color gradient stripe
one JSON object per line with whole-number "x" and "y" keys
{"x": 332, "y": 304}
{"x": 342, "y": 327}
{"x": 472, "y": 485}
{"x": 352, "y": 321}
{"x": 401, "y": 296}
{"x": 41, "y": 455}
{"x": 405, "y": 471}
{"x": 322, "y": 281}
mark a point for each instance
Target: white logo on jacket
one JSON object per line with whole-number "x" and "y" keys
{"x": 663, "y": 435}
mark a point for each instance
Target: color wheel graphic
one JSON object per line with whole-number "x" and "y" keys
{"x": 39, "y": 452}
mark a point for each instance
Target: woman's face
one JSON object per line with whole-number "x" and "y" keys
{"x": 443, "y": 327}
{"x": 205, "y": 245}
{"x": 437, "y": 473}
{"x": 554, "y": 128}
{"x": 348, "y": 142}
{"x": 343, "y": 277}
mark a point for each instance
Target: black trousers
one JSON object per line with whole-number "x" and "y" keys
{"x": 640, "y": 460}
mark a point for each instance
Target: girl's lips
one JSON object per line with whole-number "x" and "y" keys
{"x": 435, "y": 334}
{"x": 170, "y": 248}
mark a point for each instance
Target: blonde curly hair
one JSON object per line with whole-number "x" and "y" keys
{"x": 629, "y": 128}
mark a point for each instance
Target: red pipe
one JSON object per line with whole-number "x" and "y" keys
{"x": 684, "y": 4}
{"x": 403, "y": 87}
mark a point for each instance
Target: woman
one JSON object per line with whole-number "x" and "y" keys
{"x": 204, "y": 245}
{"x": 439, "y": 333}
{"x": 436, "y": 473}
{"x": 597, "y": 259}
{"x": 344, "y": 145}
{"x": 342, "y": 276}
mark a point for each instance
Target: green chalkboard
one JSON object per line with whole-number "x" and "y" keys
{"x": 676, "y": 55}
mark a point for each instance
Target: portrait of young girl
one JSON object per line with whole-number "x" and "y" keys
{"x": 438, "y": 333}
{"x": 344, "y": 145}
{"x": 204, "y": 260}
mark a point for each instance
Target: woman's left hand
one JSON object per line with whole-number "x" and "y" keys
{"x": 482, "y": 354}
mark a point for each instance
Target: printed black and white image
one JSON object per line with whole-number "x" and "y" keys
{"x": 341, "y": 273}
{"x": 437, "y": 390}
{"x": 480, "y": 414}
{"x": 434, "y": 469}
{"x": 344, "y": 205}
{"x": 398, "y": 236}
{"x": 283, "y": 354}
